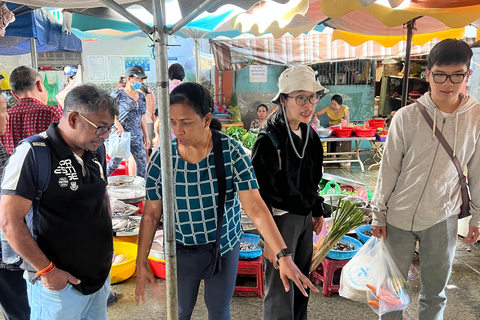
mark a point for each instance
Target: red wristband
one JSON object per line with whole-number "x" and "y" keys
{"x": 45, "y": 271}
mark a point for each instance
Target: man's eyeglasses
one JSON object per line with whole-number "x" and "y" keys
{"x": 301, "y": 100}
{"x": 454, "y": 78}
{"x": 100, "y": 130}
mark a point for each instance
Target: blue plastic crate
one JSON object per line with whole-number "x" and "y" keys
{"x": 253, "y": 239}
{"x": 345, "y": 255}
{"x": 360, "y": 232}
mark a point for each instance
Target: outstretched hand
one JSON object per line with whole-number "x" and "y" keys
{"x": 144, "y": 276}
{"x": 289, "y": 270}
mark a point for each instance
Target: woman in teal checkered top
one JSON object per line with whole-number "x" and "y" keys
{"x": 196, "y": 205}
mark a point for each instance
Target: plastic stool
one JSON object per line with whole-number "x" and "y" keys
{"x": 122, "y": 169}
{"x": 253, "y": 269}
{"x": 325, "y": 272}
{"x": 138, "y": 204}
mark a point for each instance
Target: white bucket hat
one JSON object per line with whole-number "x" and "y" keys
{"x": 298, "y": 78}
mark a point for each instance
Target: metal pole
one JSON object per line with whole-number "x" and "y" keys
{"x": 406, "y": 73}
{"x": 160, "y": 38}
{"x": 33, "y": 53}
{"x": 197, "y": 60}
{"x": 204, "y": 6}
{"x": 221, "y": 100}
{"x": 122, "y": 11}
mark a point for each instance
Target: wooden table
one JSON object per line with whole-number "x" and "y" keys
{"x": 350, "y": 156}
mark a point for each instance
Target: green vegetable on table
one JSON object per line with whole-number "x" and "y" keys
{"x": 246, "y": 138}
{"x": 346, "y": 217}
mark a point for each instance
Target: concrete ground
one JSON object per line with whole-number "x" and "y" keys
{"x": 463, "y": 291}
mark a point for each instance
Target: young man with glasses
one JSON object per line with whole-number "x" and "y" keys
{"x": 69, "y": 261}
{"x": 418, "y": 193}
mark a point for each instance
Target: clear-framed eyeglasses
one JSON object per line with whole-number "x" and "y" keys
{"x": 455, "y": 78}
{"x": 100, "y": 129}
{"x": 301, "y": 100}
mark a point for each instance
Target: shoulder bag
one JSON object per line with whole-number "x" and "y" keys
{"x": 204, "y": 261}
{"x": 465, "y": 208}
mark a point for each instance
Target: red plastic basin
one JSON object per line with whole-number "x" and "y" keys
{"x": 157, "y": 266}
{"x": 365, "y": 132}
{"x": 377, "y": 123}
{"x": 344, "y": 132}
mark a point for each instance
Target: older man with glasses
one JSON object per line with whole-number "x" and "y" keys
{"x": 69, "y": 257}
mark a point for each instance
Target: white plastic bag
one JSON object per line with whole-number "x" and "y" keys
{"x": 387, "y": 288}
{"x": 355, "y": 273}
{"x": 119, "y": 146}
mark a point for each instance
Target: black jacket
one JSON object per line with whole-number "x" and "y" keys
{"x": 287, "y": 182}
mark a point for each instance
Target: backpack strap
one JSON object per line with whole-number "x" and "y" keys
{"x": 273, "y": 137}
{"x": 222, "y": 184}
{"x": 41, "y": 157}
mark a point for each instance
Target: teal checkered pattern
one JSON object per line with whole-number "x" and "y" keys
{"x": 196, "y": 192}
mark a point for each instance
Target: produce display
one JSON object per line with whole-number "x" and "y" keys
{"x": 342, "y": 246}
{"x": 126, "y": 224}
{"x": 242, "y": 135}
{"x": 120, "y": 208}
{"x": 119, "y": 258}
{"x": 247, "y": 246}
{"x": 346, "y": 218}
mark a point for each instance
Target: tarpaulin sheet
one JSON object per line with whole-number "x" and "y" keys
{"x": 42, "y": 26}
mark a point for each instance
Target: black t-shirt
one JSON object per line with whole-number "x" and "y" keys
{"x": 73, "y": 226}
{"x": 287, "y": 182}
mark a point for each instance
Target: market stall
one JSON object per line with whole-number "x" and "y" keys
{"x": 346, "y": 156}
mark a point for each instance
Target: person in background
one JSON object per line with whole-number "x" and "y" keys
{"x": 262, "y": 113}
{"x": 191, "y": 108}
{"x": 132, "y": 118}
{"x": 150, "y": 98}
{"x": 68, "y": 263}
{"x": 13, "y": 295}
{"x": 31, "y": 115}
{"x": 418, "y": 193}
{"x": 121, "y": 83}
{"x": 176, "y": 74}
{"x": 287, "y": 158}
{"x": 70, "y": 72}
{"x": 336, "y": 111}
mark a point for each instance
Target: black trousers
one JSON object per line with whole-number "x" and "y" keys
{"x": 13, "y": 295}
{"x": 297, "y": 232}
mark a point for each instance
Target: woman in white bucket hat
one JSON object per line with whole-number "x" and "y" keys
{"x": 287, "y": 159}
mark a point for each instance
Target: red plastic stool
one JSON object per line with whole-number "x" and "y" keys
{"x": 122, "y": 169}
{"x": 325, "y": 272}
{"x": 138, "y": 204}
{"x": 253, "y": 269}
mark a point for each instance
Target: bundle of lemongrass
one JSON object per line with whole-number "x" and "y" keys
{"x": 347, "y": 217}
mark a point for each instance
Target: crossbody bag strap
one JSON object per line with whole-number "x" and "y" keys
{"x": 221, "y": 180}
{"x": 442, "y": 140}
{"x": 446, "y": 146}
